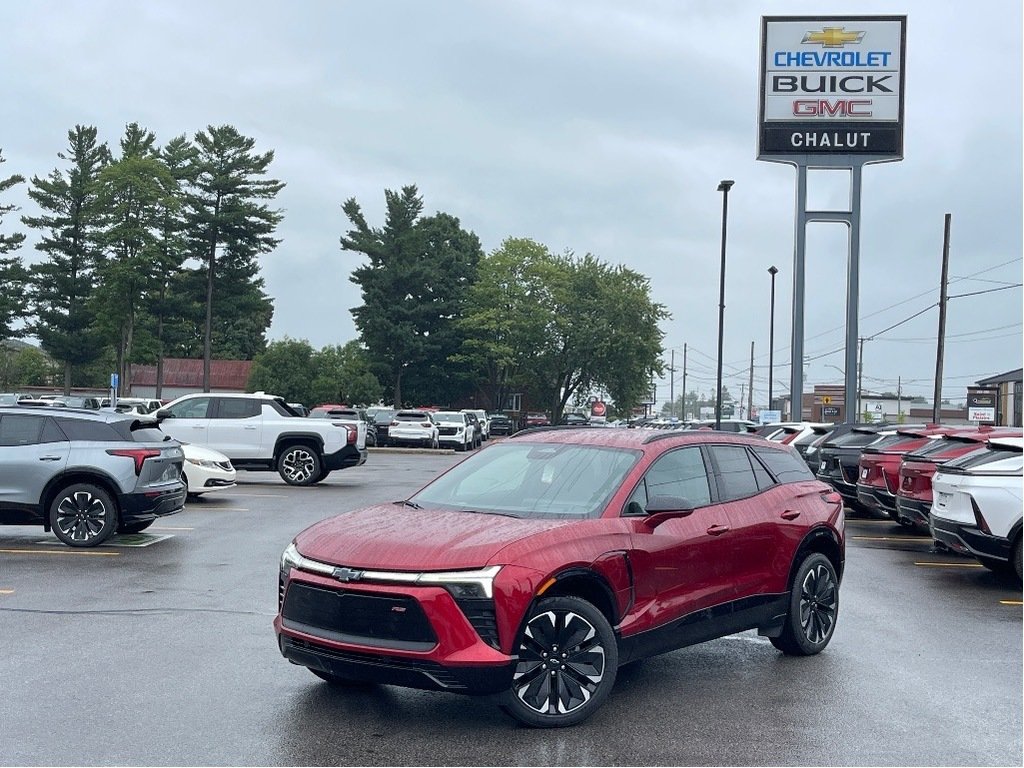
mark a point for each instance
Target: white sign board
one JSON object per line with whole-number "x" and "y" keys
{"x": 707, "y": 412}
{"x": 769, "y": 417}
{"x": 832, "y": 85}
{"x": 981, "y": 414}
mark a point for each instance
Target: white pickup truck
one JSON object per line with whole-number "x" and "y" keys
{"x": 260, "y": 432}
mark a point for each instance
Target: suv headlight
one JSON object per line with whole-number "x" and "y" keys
{"x": 463, "y": 584}
{"x": 291, "y": 558}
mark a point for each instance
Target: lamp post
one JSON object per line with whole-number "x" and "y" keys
{"x": 723, "y": 187}
{"x": 773, "y": 271}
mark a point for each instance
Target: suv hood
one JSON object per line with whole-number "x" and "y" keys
{"x": 400, "y": 538}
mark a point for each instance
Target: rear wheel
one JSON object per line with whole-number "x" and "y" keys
{"x": 567, "y": 662}
{"x": 83, "y": 515}
{"x": 1015, "y": 558}
{"x": 299, "y": 465}
{"x": 813, "y": 608}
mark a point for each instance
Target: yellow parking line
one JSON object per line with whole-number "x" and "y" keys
{"x": 57, "y": 552}
{"x": 953, "y": 565}
{"x": 6, "y": 591}
{"x": 891, "y": 538}
{"x": 1001, "y": 602}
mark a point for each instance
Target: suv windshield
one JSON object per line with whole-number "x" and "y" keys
{"x": 532, "y": 480}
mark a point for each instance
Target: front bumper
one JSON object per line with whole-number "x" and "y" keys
{"x": 969, "y": 540}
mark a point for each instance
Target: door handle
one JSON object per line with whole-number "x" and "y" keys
{"x": 718, "y": 530}
{"x": 49, "y": 458}
{"x": 252, "y": 428}
{"x": 198, "y": 426}
{"x": 790, "y": 514}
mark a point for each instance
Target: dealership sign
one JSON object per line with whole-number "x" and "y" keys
{"x": 832, "y": 86}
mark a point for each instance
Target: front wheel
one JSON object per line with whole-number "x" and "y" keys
{"x": 813, "y": 608}
{"x": 83, "y": 515}
{"x": 299, "y": 465}
{"x": 567, "y": 662}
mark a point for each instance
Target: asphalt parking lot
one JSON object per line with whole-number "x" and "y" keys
{"x": 160, "y": 651}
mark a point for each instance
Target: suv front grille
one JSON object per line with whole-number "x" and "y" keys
{"x": 358, "y": 617}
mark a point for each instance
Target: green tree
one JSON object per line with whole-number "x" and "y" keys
{"x": 413, "y": 287}
{"x": 62, "y": 285}
{"x": 134, "y": 190}
{"x": 13, "y": 275}
{"x": 28, "y": 367}
{"x": 285, "y": 368}
{"x": 342, "y": 375}
{"x": 506, "y": 319}
{"x": 229, "y": 226}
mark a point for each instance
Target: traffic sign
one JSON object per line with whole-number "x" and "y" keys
{"x": 826, "y": 400}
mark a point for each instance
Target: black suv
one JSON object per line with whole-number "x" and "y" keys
{"x": 86, "y": 474}
{"x": 839, "y": 457}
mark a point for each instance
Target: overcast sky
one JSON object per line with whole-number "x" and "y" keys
{"x": 592, "y": 126}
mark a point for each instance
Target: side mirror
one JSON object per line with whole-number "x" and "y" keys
{"x": 665, "y": 507}
{"x": 162, "y": 414}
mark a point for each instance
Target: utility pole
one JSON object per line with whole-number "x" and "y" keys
{"x": 672, "y": 386}
{"x": 683, "y": 414}
{"x": 943, "y": 298}
{"x": 899, "y": 399}
{"x": 750, "y": 392}
{"x": 743, "y": 385}
{"x": 860, "y": 378}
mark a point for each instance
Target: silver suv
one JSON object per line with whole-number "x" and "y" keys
{"x": 86, "y": 474}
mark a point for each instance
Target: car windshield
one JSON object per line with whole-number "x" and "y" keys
{"x": 532, "y": 480}
{"x": 456, "y": 418}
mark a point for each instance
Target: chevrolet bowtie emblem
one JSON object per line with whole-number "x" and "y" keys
{"x": 833, "y": 37}
{"x": 347, "y": 574}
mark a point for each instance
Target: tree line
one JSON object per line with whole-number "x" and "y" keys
{"x": 148, "y": 252}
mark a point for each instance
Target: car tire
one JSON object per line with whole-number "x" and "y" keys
{"x": 299, "y": 465}
{"x": 568, "y": 642}
{"x": 83, "y": 515}
{"x": 1015, "y": 558}
{"x": 460, "y": 447}
{"x": 813, "y": 608}
{"x": 134, "y": 527}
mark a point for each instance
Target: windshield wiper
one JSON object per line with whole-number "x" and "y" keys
{"x": 407, "y": 503}
{"x": 489, "y": 512}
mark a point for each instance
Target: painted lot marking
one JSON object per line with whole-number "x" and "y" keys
{"x": 169, "y": 528}
{"x": 129, "y": 539}
{"x": 90, "y": 553}
{"x": 1001, "y": 602}
{"x": 6, "y": 591}
{"x": 951, "y": 565}
{"x": 226, "y": 509}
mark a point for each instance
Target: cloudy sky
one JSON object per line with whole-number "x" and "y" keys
{"x": 587, "y": 125}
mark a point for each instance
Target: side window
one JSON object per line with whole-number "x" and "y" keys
{"x": 237, "y": 408}
{"x": 20, "y": 430}
{"x": 93, "y": 431}
{"x": 736, "y": 475}
{"x": 764, "y": 480}
{"x": 786, "y": 466}
{"x": 193, "y": 408}
{"x": 51, "y": 433}
{"x": 677, "y": 473}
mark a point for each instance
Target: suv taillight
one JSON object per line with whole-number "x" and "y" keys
{"x": 138, "y": 454}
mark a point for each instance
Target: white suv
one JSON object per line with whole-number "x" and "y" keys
{"x": 413, "y": 428}
{"x": 483, "y": 419}
{"x": 976, "y": 504}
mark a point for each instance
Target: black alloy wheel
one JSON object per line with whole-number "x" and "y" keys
{"x": 83, "y": 515}
{"x": 299, "y": 465}
{"x": 567, "y": 662}
{"x": 813, "y": 608}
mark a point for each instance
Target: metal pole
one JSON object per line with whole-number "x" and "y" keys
{"x": 672, "y": 386}
{"x": 750, "y": 391}
{"x": 943, "y": 298}
{"x": 796, "y": 363}
{"x": 683, "y": 414}
{"x": 772, "y": 270}
{"x": 860, "y": 379}
{"x": 723, "y": 187}
{"x": 853, "y": 289}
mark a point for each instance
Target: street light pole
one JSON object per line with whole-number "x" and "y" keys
{"x": 723, "y": 187}
{"x": 772, "y": 270}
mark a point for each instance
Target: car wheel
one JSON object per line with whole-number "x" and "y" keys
{"x": 567, "y": 660}
{"x": 134, "y": 527}
{"x": 1015, "y": 558}
{"x": 813, "y": 608}
{"x": 299, "y": 465}
{"x": 83, "y": 515}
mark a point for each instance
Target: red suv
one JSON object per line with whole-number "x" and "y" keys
{"x": 538, "y": 566}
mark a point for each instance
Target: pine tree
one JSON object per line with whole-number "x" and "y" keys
{"x": 62, "y": 285}
{"x": 13, "y": 275}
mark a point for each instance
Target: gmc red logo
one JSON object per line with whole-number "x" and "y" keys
{"x": 832, "y": 107}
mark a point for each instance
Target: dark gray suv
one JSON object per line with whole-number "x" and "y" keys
{"x": 86, "y": 474}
